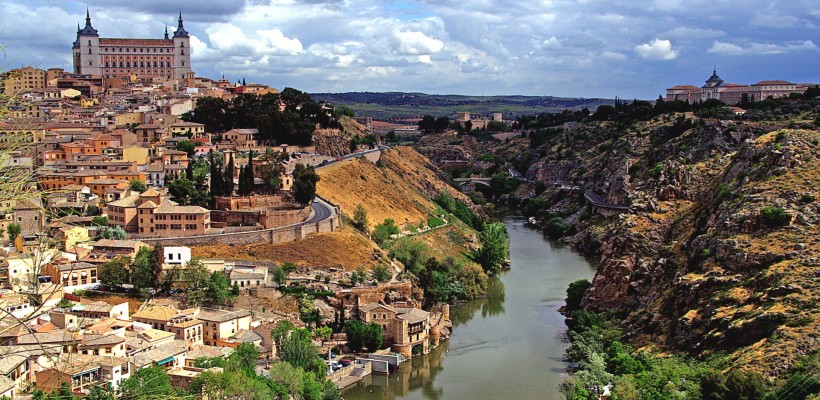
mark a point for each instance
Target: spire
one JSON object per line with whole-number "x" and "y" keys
{"x": 88, "y": 30}
{"x": 180, "y": 32}
{"x": 166, "y": 32}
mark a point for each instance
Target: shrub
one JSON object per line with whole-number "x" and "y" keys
{"x": 575, "y": 293}
{"x": 807, "y": 198}
{"x": 775, "y": 216}
{"x": 656, "y": 170}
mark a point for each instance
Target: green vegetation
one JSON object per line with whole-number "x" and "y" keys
{"x": 382, "y": 232}
{"x": 774, "y": 216}
{"x": 14, "y": 230}
{"x": 360, "y": 218}
{"x": 494, "y": 247}
{"x": 186, "y": 146}
{"x": 294, "y": 125}
{"x": 458, "y": 208}
{"x": 304, "y": 183}
{"x": 138, "y": 185}
{"x": 575, "y": 293}
{"x": 114, "y": 273}
{"x": 150, "y": 382}
{"x": 361, "y": 335}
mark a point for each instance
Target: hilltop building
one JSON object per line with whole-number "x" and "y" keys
{"x": 169, "y": 57}
{"x": 732, "y": 93}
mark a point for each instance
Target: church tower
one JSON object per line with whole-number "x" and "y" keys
{"x": 182, "y": 52}
{"x": 86, "y": 49}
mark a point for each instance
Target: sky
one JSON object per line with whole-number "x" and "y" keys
{"x": 568, "y": 48}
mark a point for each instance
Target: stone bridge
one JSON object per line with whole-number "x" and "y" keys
{"x": 600, "y": 206}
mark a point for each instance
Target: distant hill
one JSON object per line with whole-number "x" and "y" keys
{"x": 398, "y": 105}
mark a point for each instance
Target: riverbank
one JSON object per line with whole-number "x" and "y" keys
{"x": 507, "y": 345}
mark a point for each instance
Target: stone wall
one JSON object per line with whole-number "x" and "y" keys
{"x": 273, "y": 235}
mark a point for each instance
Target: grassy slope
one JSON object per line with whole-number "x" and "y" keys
{"x": 400, "y": 190}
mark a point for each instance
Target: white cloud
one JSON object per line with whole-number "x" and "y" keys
{"x": 657, "y": 50}
{"x": 760, "y": 48}
{"x": 416, "y": 43}
{"x": 690, "y": 33}
{"x": 613, "y": 55}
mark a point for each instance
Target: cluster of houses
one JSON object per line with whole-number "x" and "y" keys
{"x": 50, "y": 337}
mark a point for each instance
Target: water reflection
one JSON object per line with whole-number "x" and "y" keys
{"x": 511, "y": 351}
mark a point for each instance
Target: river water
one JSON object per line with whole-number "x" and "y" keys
{"x": 505, "y": 346}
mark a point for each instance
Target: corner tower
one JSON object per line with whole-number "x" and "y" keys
{"x": 182, "y": 52}
{"x": 86, "y": 49}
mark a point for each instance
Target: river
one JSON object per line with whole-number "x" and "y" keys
{"x": 505, "y": 346}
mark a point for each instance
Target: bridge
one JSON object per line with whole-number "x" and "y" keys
{"x": 602, "y": 207}
{"x": 469, "y": 183}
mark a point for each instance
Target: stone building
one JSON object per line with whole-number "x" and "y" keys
{"x": 167, "y": 58}
{"x": 731, "y": 93}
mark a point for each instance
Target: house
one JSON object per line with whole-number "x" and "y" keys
{"x": 406, "y": 330}
{"x": 70, "y": 236}
{"x": 247, "y": 278}
{"x": 158, "y": 316}
{"x": 223, "y": 324}
{"x": 186, "y": 328}
{"x": 81, "y": 372}
{"x": 168, "y": 356}
{"x": 203, "y": 351}
{"x": 180, "y": 255}
{"x": 107, "y": 344}
{"x": 72, "y": 274}
{"x": 151, "y": 214}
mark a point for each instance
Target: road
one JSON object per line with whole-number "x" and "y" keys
{"x": 321, "y": 212}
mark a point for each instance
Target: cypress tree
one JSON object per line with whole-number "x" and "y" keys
{"x": 227, "y": 185}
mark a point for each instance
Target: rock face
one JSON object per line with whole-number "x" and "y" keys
{"x": 720, "y": 246}
{"x": 332, "y": 142}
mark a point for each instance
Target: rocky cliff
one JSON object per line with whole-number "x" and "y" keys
{"x": 718, "y": 249}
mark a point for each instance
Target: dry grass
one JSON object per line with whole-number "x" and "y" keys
{"x": 346, "y": 249}
{"x": 398, "y": 190}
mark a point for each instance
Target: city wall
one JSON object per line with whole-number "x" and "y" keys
{"x": 274, "y": 235}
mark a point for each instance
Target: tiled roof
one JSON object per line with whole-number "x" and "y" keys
{"x": 201, "y": 350}
{"x": 116, "y": 243}
{"x": 130, "y": 201}
{"x": 156, "y": 313}
{"x": 412, "y": 315}
{"x": 106, "y": 339}
{"x": 221, "y": 315}
{"x": 774, "y": 82}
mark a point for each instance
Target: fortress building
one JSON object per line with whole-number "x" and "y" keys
{"x": 732, "y": 93}
{"x": 167, "y": 58}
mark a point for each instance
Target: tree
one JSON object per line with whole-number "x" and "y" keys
{"x": 412, "y": 253}
{"x": 138, "y": 185}
{"x": 381, "y": 273}
{"x": 99, "y": 393}
{"x": 218, "y": 291}
{"x": 246, "y": 181}
{"x": 361, "y": 335}
{"x": 280, "y": 333}
{"x": 13, "y": 231}
{"x": 244, "y": 358}
{"x": 382, "y": 232}
{"x": 194, "y": 282}
{"x": 99, "y": 220}
{"x": 298, "y": 350}
{"x": 227, "y": 183}
{"x": 114, "y": 273}
{"x": 114, "y": 232}
{"x": 146, "y": 269}
{"x": 494, "y": 247}
{"x": 92, "y": 211}
{"x": 150, "y": 382}
{"x": 360, "y": 218}
{"x": 186, "y": 146}
{"x": 575, "y": 293}
{"x": 304, "y": 183}
{"x": 323, "y": 333}
{"x": 184, "y": 192}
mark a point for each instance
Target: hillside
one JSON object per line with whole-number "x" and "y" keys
{"x": 719, "y": 248}
{"x": 347, "y": 249}
{"x": 400, "y": 187}
{"x": 397, "y": 105}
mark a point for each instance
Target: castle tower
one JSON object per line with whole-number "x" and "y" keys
{"x": 87, "y": 49}
{"x": 182, "y": 52}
